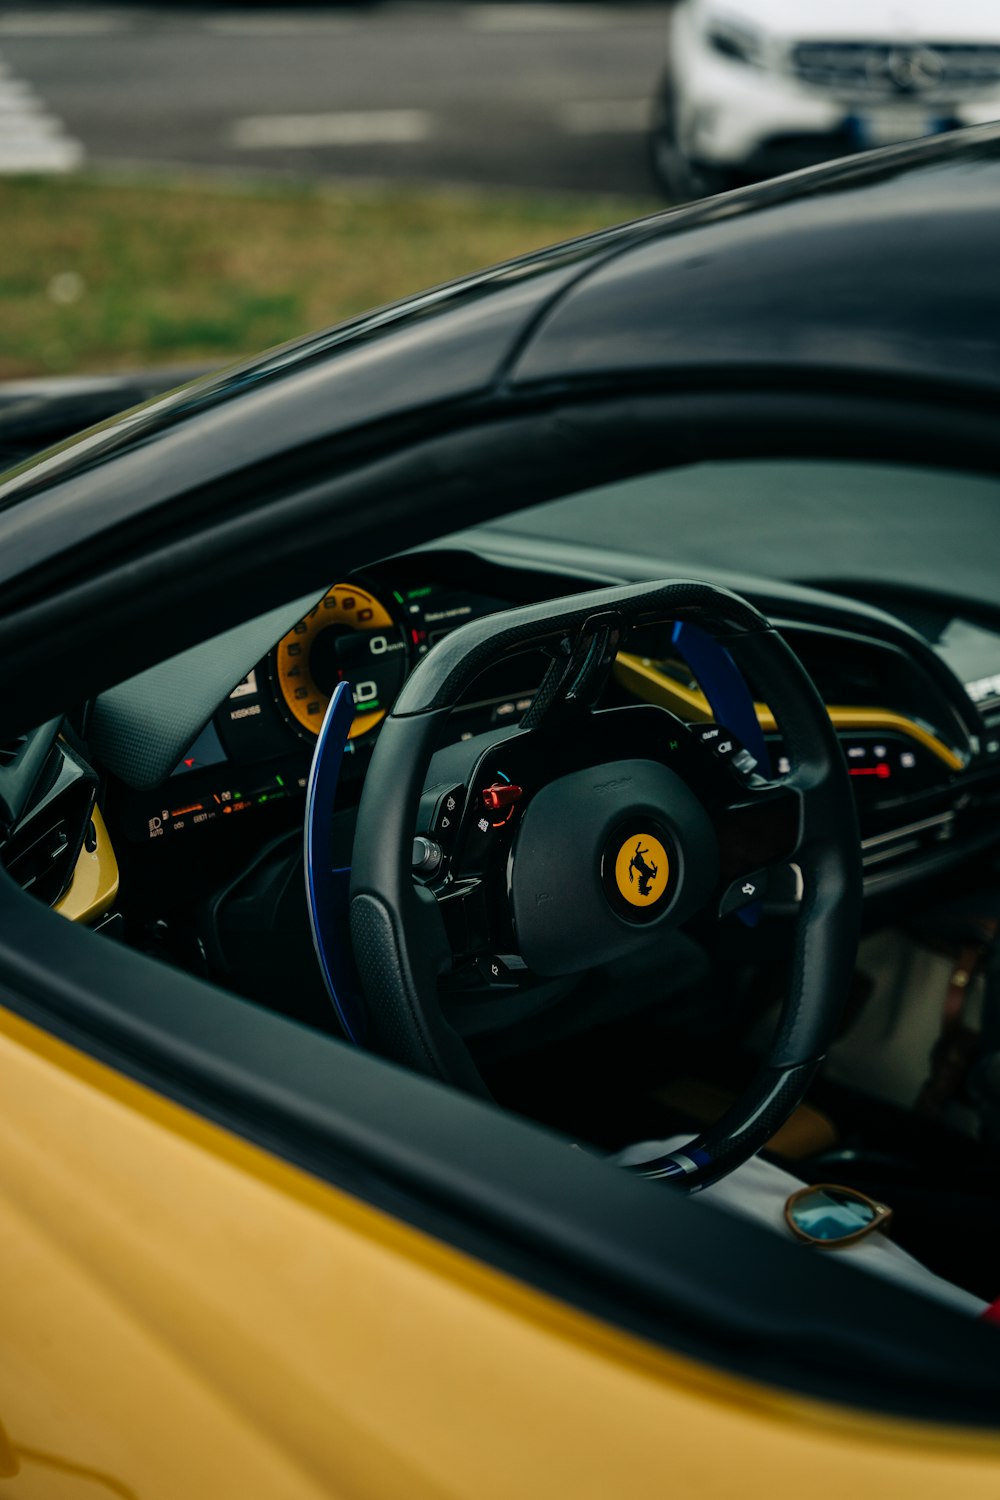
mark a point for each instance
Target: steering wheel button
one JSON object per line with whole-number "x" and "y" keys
{"x": 744, "y": 890}
{"x": 497, "y": 972}
{"x": 726, "y": 746}
{"x": 440, "y": 812}
{"x": 427, "y": 856}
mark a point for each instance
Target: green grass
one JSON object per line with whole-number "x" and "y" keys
{"x": 104, "y": 274}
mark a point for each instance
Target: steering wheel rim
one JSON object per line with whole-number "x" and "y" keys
{"x": 400, "y": 944}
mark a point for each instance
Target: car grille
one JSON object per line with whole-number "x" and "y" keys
{"x": 889, "y": 70}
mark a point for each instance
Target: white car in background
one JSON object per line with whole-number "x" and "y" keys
{"x": 756, "y": 87}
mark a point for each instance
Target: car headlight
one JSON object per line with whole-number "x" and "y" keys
{"x": 737, "y": 41}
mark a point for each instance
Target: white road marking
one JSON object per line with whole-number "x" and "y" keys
{"x": 604, "y": 117}
{"x": 278, "y": 25}
{"x": 21, "y": 128}
{"x": 14, "y": 94}
{"x": 30, "y": 157}
{"x": 369, "y": 127}
{"x": 381, "y": 127}
{"x": 31, "y": 139}
{"x": 60, "y": 23}
{"x": 539, "y": 17}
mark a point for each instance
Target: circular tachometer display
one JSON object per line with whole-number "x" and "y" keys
{"x": 349, "y": 637}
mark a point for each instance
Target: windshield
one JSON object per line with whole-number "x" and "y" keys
{"x": 825, "y": 524}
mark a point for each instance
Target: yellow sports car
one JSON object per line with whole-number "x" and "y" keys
{"x": 499, "y": 810}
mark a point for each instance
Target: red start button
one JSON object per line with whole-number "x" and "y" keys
{"x": 501, "y": 795}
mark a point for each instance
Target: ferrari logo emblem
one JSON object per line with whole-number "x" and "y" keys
{"x": 642, "y": 870}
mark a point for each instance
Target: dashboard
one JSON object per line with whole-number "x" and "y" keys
{"x": 182, "y": 792}
{"x": 913, "y": 690}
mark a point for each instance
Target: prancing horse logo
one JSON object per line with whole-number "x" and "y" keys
{"x": 637, "y": 866}
{"x": 641, "y": 870}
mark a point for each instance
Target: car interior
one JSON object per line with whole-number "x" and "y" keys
{"x": 167, "y": 813}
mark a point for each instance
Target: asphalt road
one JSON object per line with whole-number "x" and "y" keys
{"x": 508, "y": 94}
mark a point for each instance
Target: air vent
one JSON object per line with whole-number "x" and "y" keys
{"x": 41, "y": 857}
{"x": 24, "y": 759}
{"x": 46, "y": 799}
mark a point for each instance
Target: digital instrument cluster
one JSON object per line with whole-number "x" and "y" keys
{"x": 255, "y": 753}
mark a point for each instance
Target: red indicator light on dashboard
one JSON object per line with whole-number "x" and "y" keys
{"x": 882, "y": 771}
{"x": 501, "y": 795}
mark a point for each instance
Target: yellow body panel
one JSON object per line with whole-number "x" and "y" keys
{"x": 94, "y": 886}
{"x": 184, "y": 1316}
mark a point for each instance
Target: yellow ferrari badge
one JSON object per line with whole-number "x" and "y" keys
{"x": 642, "y": 869}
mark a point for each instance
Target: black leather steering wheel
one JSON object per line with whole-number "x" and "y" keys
{"x": 583, "y": 834}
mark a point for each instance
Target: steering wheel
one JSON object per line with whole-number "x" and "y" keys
{"x": 581, "y": 835}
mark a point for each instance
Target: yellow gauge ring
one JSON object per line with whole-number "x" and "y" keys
{"x": 347, "y": 606}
